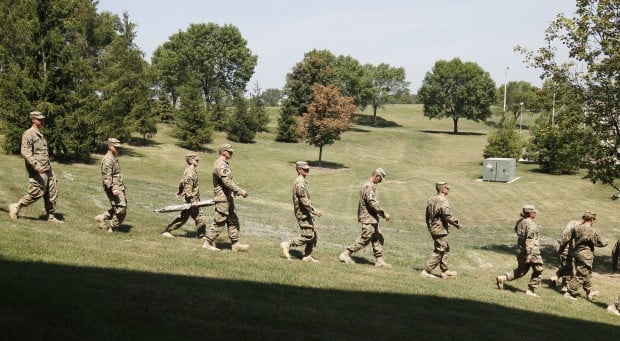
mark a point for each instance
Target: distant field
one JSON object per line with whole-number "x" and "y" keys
{"x": 74, "y": 281}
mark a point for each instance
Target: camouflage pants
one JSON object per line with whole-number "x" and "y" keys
{"x": 117, "y": 213}
{"x": 370, "y": 235}
{"x": 42, "y": 185}
{"x": 308, "y": 236}
{"x": 582, "y": 278}
{"x": 523, "y": 266}
{"x": 565, "y": 271}
{"x": 224, "y": 216}
{"x": 440, "y": 254}
{"x": 195, "y": 213}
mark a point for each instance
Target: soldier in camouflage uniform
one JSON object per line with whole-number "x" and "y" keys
{"x": 528, "y": 252}
{"x": 368, "y": 212}
{"x": 584, "y": 238}
{"x": 189, "y": 189}
{"x": 438, "y": 218}
{"x": 41, "y": 177}
{"x": 303, "y": 212}
{"x": 224, "y": 188}
{"x": 565, "y": 272}
{"x": 614, "y": 308}
{"x": 114, "y": 188}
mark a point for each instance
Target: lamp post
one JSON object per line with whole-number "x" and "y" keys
{"x": 520, "y": 116}
{"x": 505, "y": 83}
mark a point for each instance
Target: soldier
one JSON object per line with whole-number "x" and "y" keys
{"x": 584, "y": 238}
{"x": 224, "y": 188}
{"x": 189, "y": 189}
{"x": 438, "y": 218}
{"x": 303, "y": 212}
{"x": 41, "y": 177}
{"x": 114, "y": 188}
{"x": 368, "y": 212}
{"x": 528, "y": 252}
{"x": 565, "y": 272}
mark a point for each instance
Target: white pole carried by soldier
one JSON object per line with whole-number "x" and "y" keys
{"x": 41, "y": 177}
{"x": 114, "y": 188}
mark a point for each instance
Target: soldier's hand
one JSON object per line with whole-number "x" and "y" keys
{"x": 41, "y": 170}
{"x": 318, "y": 213}
{"x": 245, "y": 194}
{"x": 116, "y": 192}
{"x": 387, "y": 216}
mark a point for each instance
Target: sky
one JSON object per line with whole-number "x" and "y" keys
{"x": 413, "y": 34}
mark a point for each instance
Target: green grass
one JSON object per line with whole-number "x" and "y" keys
{"x": 74, "y": 281}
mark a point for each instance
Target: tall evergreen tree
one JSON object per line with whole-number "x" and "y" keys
{"x": 192, "y": 124}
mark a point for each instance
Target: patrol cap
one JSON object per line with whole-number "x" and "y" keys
{"x": 189, "y": 157}
{"x": 381, "y": 173}
{"x": 529, "y": 208}
{"x": 115, "y": 142}
{"x": 588, "y": 215}
{"x": 302, "y": 165}
{"x": 439, "y": 185}
{"x": 37, "y": 114}
{"x": 227, "y": 147}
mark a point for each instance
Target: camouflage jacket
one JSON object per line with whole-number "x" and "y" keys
{"x": 568, "y": 251}
{"x": 188, "y": 186}
{"x": 301, "y": 198}
{"x": 111, "y": 173}
{"x": 585, "y": 238}
{"x": 34, "y": 151}
{"x": 439, "y": 215}
{"x": 223, "y": 185}
{"x": 369, "y": 209}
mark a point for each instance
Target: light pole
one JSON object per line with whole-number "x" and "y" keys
{"x": 505, "y": 83}
{"x": 553, "y": 110}
{"x": 520, "y": 117}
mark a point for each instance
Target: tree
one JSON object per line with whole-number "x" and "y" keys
{"x": 387, "y": 83}
{"x": 163, "y": 107}
{"x": 518, "y": 95}
{"x": 216, "y": 56}
{"x": 241, "y": 126}
{"x": 192, "y": 125}
{"x": 271, "y": 97}
{"x": 329, "y": 115}
{"x": 457, "y": 90}
{"x": 505, "y": 141}
{"x": 591, "y": 70}
{"x": 257, "y": 110}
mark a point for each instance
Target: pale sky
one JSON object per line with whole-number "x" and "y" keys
{"x": 413, "y": 34}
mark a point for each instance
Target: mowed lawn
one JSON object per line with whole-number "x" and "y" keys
{"x": 75, "y": 281}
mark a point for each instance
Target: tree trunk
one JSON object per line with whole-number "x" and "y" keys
{"x": 456, "y": 124}
{"x": 374, "y": 115}
{"x": 320, "y": 155}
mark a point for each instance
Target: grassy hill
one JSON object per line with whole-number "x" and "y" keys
{"x": 75, "y": 281}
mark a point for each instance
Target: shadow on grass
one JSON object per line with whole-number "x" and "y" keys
{"x": 142, "y": 142}
{"x": 67, "y": 302}
{"x": 327, "y": 164}
{"x": 451, "y": 133}
{"x": 369, "y": 120}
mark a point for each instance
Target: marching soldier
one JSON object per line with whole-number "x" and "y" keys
{"x": 114, "y": 188}
{"x": 303, "y": 212}
{"x": 189, "y": 189}
{"x": 368, "y": 211}
{"x": 41, "y": 177}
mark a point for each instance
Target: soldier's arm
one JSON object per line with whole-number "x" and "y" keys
{"x": 188, "y": 187}
{"x": 224, "y": 174}
{"x": 106, "y": 173}
{"x": 304, "y": 200}
{"x": 447, "y": 215}
{"x": 28, "y": 153}
{"x": 371, "y": 199}
{"x": 598, "y": 242}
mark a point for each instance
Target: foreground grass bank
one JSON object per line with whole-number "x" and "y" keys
{"x": 73, "y": 281}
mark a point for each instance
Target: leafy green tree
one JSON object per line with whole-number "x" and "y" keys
{"x": 457, "y": 90}
{"x": 591, "y": 69}
{"x": 387, "y": 83}
{"x": 241, "y": 126}
{"x": 504, "y": 141}
{"x": 329, "y": 115}
{"x": 217, "y": 56}
{"x": 163, "y": 107}
{"x": 192, "y": 124}
{"x": 519, "y": 95}
{"x": 257, "y": 110}
{"x": 271, "y": 97}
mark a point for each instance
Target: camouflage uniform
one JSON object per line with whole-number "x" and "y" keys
{"x": 114, "y": 187}
{"x": 36, "y": 158}
{"x": 224, "y": 188}
{"x": 368, "y": 212}
{"x": 189, "y": 189}
{"x": 585, "y": 238}
{"x": 438, "y": 218}
{"x": 303, "y": 212}
{"x": 565, "y": 271}
{"x": 528, "y": 250}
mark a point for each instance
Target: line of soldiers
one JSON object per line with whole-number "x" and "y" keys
{"x": 575, "y": 245}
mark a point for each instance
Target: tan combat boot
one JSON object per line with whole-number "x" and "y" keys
{"x": 531, "y": 292}
{"x": 209, "y": 246}
{"x": 427, "y": 274}
{"x": 14, "y": 210}
{"x": 380, "y": 262}
{"x": 167, "y": 234}
{"x": 592, "y": 295}
{"x": 52, "y": 219}
{"x": 345, "y": 257}
{"x": 310, "y": 259}
{"x": 500, "y": 281}
{"x": 569, "y": 296}
{"x": 236, "y": 247}
{"x": 285, "y": 247}
{"x": 101, "y": 220}
{"x": 612, "y": 309}
{"x": 448, "y": 273}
